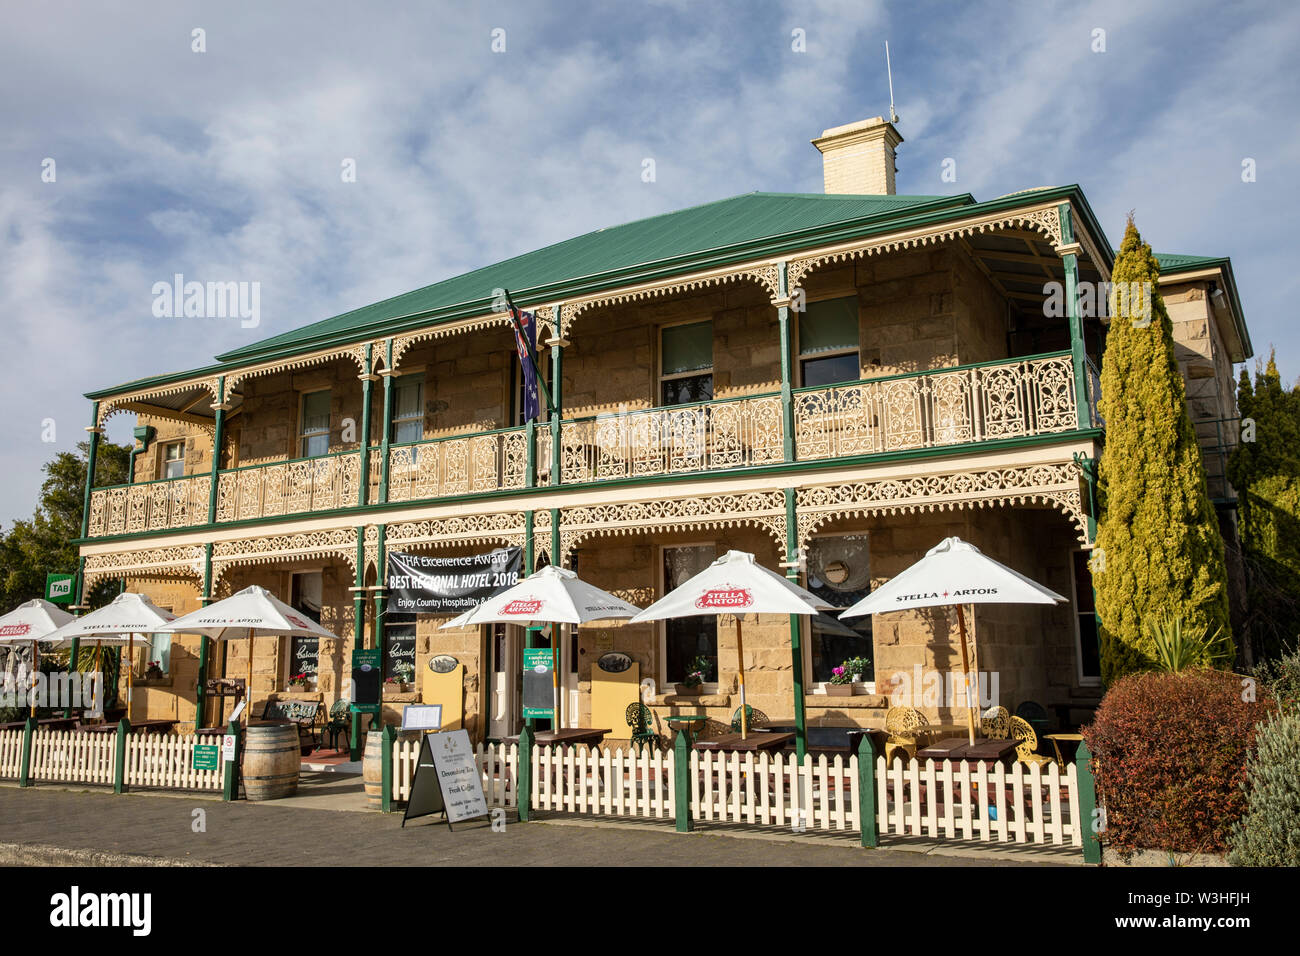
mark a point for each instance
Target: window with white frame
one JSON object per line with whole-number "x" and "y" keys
{"x": 173, "y": 454}
{"x": 408, "y": 408}
{"x": 839, "y": 572}
{"x": 314, "y": 431}
{"x": 688, "y": 638}
{"x": 828, "y": 342}
{"x": 686, "y": 363}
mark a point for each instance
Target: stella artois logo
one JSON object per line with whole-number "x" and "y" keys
{"x": 14, "y": 630}
{"x": 724, "y": 599}
{"x": 523, "y": 607}
{"x": 297, "y": 621}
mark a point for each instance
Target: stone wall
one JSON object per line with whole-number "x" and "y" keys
{"x": 198, "y": 448}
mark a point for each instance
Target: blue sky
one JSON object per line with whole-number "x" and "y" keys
{"x": 225, "y": 165}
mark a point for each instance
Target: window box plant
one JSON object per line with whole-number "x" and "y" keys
{"x": 693, "y": 685}
{"x": 846, "y": 677}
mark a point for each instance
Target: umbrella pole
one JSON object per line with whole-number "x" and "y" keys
{"x": 965, "y": 671}
{"x": 130, "y": 671}
{"x": 555, "y": 672}
{"x": 248, "y": 687}
{"x": 740, "y": 658}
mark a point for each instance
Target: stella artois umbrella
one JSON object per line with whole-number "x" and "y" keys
{"x": 117, "y": 622}
{"x": 33, "y": 621}
{"x": 460, "y": 620}
{"x": 250, "y": 610}
{"x": 735, "y": 584}
{"x": 954, "y": 573}
{"x": 552, "y": 595}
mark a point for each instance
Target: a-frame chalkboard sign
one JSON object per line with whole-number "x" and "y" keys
{"x": 446, "y": 780}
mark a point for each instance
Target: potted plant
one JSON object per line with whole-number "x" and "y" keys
{"x": 846, "y": 677}
{"x": 154, "y": 671}
{"x": 298, "y": 682}
{"x": 693, "y": 685}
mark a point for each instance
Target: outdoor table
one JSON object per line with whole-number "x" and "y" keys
{"x": 960, "y": 748}
{"x": 53, "y": 723}
{"x": 142, "y": 727}
{"x": 570, "y": 736}
{"x": 757, "y": 740}
{"x": 688, "y": 724}
{"x": 1057, "y": 740}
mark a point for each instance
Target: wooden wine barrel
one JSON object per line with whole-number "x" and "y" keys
{"x": 271, "y": 761}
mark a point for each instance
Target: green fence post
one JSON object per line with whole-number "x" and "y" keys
{"x": 386, "y": 772}
{"x": 1089, "y": 822}
{"x": 524, "y": 779}
{"x": 867, "y": 792}
{"x": 682, "y": 784}
{"x": 25, "y": 771}
{"x": 230, "y": 783}
{"x": 119, "y": 756}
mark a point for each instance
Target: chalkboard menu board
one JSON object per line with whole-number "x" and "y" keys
{"x": 367, "y": 684}
{"x": 304, "y": 658}
{"x": 446, "y": 780}
{"x": 539, "y": 683}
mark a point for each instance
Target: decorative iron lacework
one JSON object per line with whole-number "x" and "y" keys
{"x": 503, "y": 527}
{"x": 1046, "y": 220}
{"x": 112, "y": 406}
{"x": 1054, "y": 484}
{"x": 764, "y": 509}
{"x": 246, "y": 552}
{"x": 180, "y": 559}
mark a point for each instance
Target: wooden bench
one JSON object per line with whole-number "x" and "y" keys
{"x": 305, "y": 713}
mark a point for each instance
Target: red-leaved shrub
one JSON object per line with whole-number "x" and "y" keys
{"x": 1170, "y": 758}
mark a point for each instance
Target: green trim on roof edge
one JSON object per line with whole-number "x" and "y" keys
{"x": 925, "y": 211}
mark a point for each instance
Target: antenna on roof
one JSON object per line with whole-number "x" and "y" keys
{"x": 893, "y": 117}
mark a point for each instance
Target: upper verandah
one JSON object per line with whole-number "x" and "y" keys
{"x": 749, "y": 228}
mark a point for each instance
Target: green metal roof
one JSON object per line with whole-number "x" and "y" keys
{"x": 1172, "y": 262}
{"x": 716, "y": 234}
{"x": 637, "y": 244}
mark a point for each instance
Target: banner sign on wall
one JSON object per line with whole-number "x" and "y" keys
{"x": 433, "y": 584}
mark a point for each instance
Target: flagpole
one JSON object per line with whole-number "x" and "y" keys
{"x": 532, "y": 360}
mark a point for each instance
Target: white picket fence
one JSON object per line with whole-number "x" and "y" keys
{"x": 936, "y": 799}
{"x": 941, "y": 800}
{"x": 167, "y": 761}
{"x": 69, "y": 756}
{"x": 11, "y": 753}
{"x": 65, "y": 756}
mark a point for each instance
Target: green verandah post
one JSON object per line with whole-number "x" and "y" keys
{"x": 1070, "y": 264}
{"x": 200, "y": 691}
{"x": 386, "y": 771}
{"x": 867, "y": 792}
{"x": 682, "y": 783}
{"x": 230, "y": 783}
{"x": 524, "y": 778}
{"x": 1089, "y": 822}
{"x": 80, "y": 583}
{"x": 119, "y": 755}
{"x": 358, "y": 639}
{"x": 25, "y": 770}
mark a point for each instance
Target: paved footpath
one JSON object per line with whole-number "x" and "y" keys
{"x": 53, "y": 826}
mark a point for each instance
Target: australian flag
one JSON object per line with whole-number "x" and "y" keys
{"x": 526, "y": 345}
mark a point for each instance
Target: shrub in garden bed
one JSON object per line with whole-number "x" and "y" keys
{"x": 1170, "y": 758}
{"x": 1269, "y": 833}
{"x": 1281, "y": 675}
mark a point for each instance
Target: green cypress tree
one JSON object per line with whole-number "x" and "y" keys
{"x": 1265, "y": 474}
{"x": 1160, "y": 551}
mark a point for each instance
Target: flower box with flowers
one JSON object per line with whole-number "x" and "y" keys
{"x": 696, "y": 675}
{"x": 846, "y": 677}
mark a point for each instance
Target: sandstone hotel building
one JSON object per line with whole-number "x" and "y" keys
{"x": 833, "y": 382}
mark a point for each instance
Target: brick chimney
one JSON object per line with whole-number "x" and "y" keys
{"x": 859, "y": 158}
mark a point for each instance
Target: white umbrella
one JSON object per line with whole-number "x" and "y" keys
{"x": 735, "y": 584}
{"x": 460, "y": 620}
{"x": 252, "y": 609}
{"x": 33, "y": 621}
{"x": 553, "y": 595}
{"x": 117, "y": 622}
{"x": 954, "y": 572}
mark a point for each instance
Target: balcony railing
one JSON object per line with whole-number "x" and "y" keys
{"x": 707, "y": 436}
{"x": 149, "y": 506}
{"x": 1013, "y": 398}
{"x": 1023, "y": 397}
{"x": 444, "y": 467}
{"x": 288, "y": 487}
